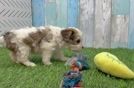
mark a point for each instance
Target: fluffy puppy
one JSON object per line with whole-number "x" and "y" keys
{"x": 43, "y": 40}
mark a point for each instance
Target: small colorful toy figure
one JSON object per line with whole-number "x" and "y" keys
{"x": 73, "y": 78}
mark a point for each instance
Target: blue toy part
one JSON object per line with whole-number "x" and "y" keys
{"x": 71, "y": 79}
{"x": 80, "y": 61}
{"x": 83, "y": 60}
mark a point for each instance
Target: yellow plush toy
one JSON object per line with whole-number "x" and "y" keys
{"x": 110, "y": 64}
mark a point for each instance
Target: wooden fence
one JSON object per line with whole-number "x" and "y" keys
{"x": 104, "y": 23}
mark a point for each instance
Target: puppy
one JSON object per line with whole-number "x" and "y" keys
{"x": 43, "y": 40}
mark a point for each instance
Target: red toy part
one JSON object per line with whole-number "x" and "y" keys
{"x": 79, "y": 85}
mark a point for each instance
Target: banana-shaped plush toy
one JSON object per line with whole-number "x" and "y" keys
{"x": 110, "y": 64}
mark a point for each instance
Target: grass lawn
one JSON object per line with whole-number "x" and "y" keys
{"x": 18, "y": 76}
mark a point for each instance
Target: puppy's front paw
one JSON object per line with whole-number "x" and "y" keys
{"x": 47, "y": 63}
{"x": 29, "y": 64}
{"x": 64, "y": 59}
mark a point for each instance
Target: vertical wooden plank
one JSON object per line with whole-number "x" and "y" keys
{"x": 38, "y": 12}
{"x": 120, "y": 7}
{"x": 87, "y": 21}
{"x": 102, "y": 23}
{"x": 61, "y": 13}
{"x": 73, "y": 13}
{"x": 119, "y": 31}
{"x": 50, "y": 1}
{"x": 50, "y": 13}
{"x": 131, "y": 26}
{"x": 120, "y": 19}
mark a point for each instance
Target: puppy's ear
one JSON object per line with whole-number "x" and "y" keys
{"x": 71, "y": 36}
{"x": 66, "y": 33}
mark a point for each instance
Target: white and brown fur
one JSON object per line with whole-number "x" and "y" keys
{"x": 43, "y": 40}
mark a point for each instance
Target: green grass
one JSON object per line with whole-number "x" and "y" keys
{"x": 18, "y": 76}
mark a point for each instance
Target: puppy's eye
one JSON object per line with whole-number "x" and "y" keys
{"x": 78, "y": 41}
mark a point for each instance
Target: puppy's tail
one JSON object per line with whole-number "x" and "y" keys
{"x": 2, "y": 41}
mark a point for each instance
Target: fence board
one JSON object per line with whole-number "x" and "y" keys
{"x": 50, "y": 13}
{"x": 131, "y": 26}
{"x": 119, "y": 34}
{"x": 50, "y": 1}
{"x": 73, "y": 13}
{"x": 120, "y": 19}
{"x": 61, "y": 13}
{"x": 102, "y": 23}
{"x": 38, "y": 12}
{"x": 87, "y": 21}
{"x": 120, "y": 7}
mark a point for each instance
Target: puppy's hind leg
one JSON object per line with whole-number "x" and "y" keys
{"x": 22, "y": 57}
